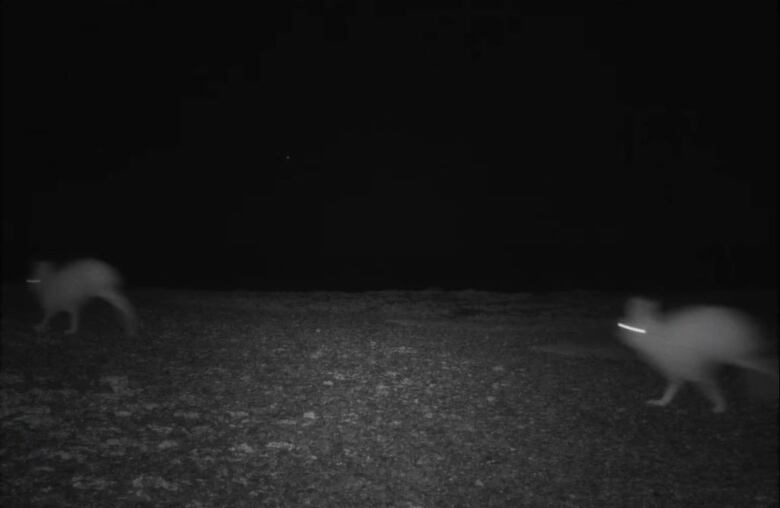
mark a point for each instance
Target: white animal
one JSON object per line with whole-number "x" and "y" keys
{"x": 690, "y": 345}
{"x": 69, "y": 288}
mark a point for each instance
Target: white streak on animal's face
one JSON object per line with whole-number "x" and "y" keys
{"x": 631, "y": 328}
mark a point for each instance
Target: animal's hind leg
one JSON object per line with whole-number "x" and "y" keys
{"x": 711, "y": 390}
{"x": 672, "y": 387}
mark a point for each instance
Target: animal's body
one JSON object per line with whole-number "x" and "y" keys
{"x": 69, "y": 288}
{"x": 692, "y": 343}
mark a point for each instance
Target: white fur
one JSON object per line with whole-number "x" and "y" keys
{"x": 69, "y": 288}
{"x": 690, "y": 345}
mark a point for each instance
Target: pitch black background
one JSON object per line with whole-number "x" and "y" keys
{"x": 367, "y": 144}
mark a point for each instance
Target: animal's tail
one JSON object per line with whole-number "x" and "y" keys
{"x": 123, "y": 305}
{"x": 763, "y": 380}
{"x": 764, "y": 365}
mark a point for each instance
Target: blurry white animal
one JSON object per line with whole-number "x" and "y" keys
{"x": 690, "y": 345}
{"x": 69, "y": 288}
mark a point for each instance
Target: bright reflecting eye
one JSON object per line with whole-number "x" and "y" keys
{"x": 632, "y": 328}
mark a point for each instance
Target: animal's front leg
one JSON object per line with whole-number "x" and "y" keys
{"x": 672, "y": 388}
{"x": 41, "y": 327}
{"x": 74, "y": 321}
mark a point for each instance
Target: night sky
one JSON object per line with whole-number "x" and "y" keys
{"x": 370, "y": 145}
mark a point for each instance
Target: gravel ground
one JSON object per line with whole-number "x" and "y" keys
{"x": 407, "y": 399}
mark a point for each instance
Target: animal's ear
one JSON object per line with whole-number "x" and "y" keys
{"x": 639, "y": 307}
{"x": 40, "y": 270}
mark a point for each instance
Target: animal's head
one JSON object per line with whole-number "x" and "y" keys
{"x": 641, "y": 310}
{"x": 640, "y": 313}
{"x": 41, "y": 270}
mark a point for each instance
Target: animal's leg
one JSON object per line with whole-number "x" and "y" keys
{"x": 40, "y": 327}
{"x": 711, "y": 390}
{"x": 672, "y": 387}
{"x": 74, "y": 321}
